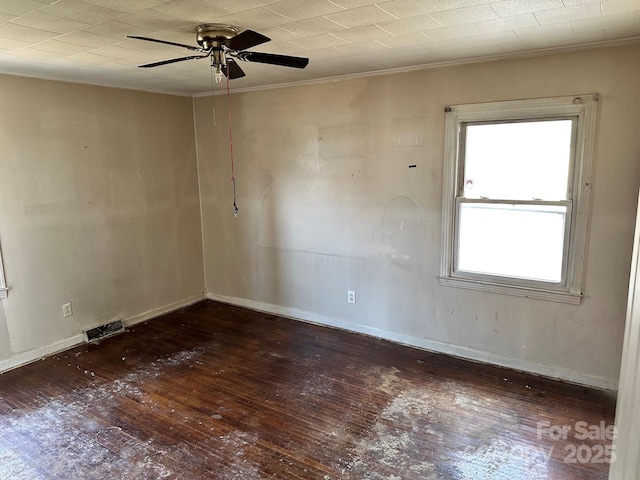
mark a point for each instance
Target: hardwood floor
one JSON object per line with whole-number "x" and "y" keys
{"x": 219, "y": 392}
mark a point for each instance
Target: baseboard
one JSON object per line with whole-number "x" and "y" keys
{"x": 156, "y": 312}
{"x": 31, "y": 356}
{"x": 24, "y": 358}
{"x": 424, "y": 344}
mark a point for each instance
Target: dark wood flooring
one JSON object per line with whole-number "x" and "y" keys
{"x": 219, "y": 392}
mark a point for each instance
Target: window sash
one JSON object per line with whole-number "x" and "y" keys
{"x": 456, "y": 272}
{"x": 572, "y": 154}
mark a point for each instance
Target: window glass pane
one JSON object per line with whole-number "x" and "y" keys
{"x": 523, "y": 241}
{"x": 518, "y": 160}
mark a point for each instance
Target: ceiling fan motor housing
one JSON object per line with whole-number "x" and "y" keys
{"x": 212, "y": 35}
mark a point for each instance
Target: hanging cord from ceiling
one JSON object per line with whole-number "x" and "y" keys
{"x": 233, "y": 176}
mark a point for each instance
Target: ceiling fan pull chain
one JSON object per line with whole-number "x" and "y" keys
{"x": 233, "y": 177}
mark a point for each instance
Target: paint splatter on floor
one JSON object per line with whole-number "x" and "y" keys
{"x": 299, "y": 402}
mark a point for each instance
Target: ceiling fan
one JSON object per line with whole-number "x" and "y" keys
{"x": 225, "y": 46}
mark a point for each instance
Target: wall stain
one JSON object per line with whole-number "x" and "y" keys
{"x": 402, "y": 229}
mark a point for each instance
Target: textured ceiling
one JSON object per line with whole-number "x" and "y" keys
{"x": 85, "y": 40}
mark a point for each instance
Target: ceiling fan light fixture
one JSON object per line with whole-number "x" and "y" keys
{"x": 218, "y": 75}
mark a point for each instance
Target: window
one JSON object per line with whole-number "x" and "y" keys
{"x": 517, "y": 181}
{"x": 3, "y": 284}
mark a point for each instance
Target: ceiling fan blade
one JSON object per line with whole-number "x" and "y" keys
{"x": 173, "y": 60}
{"x": 232, "y": 70}
{"x": 273, "y": 59}
{"x": 246, "y": 39}
{"x": 190, "y": 47}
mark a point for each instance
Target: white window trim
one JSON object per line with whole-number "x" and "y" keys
{"x": 3, "y": 284}
{"x": 584, "y": 106}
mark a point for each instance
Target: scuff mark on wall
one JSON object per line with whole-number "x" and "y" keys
{"x": 339, "y": 141}
{"x": 316, "y": 215}
{"x": 408, "y": 131}
{"x": 402, "y": 229}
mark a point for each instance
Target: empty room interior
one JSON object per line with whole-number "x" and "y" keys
{"x": 319, "y": 239}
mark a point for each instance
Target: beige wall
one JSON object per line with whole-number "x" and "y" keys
{"x": 98, "y": 206}
{"x": 320, "y": 169}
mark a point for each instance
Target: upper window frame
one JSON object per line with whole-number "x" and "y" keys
{"x": 581, "y": 107}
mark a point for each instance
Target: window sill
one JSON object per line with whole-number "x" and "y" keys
{"x": 3, "y": 292}
{"x": 527, "y": 292}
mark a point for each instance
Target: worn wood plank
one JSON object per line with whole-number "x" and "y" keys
{"x": 216, "y": 391}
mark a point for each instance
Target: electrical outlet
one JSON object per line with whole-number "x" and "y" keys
{"x": 351, "y": 296}
{"x": 67, "y": 311}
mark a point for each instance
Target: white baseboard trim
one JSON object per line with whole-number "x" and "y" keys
{"x": 423, "y": 344}
{"x": 156, "y": 312}
{"x": 31, "y": 356}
